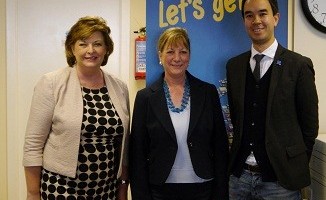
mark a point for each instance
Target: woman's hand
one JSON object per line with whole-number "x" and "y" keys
{"x": 33, "y": 180}
{"x": 33, "y": 196}
{"x": 123, "y": 192}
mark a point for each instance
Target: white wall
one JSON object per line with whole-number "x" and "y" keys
{"x": 36, "y": 31}
{"x": 312, "y": 43}
{"x": 3, "y": 108}
{"x": 137, "y": 20}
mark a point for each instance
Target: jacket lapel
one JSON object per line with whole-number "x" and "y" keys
{"x": 241, "y": 68}
{"x": 158, "y": 104}
{"x": 115, "y": 96}
{"x": 277, "y": 68}
{"x": 197, "y": 99}
{"x": 239, "y": 73}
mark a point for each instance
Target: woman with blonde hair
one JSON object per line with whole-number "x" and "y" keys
{"x": 178, "y": 145}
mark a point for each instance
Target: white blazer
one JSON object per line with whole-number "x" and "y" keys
{"x": 54, "y": 126}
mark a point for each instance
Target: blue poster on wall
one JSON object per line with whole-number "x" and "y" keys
{"x": 216, "y": 32}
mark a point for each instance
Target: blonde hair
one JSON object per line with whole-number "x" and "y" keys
{"x": 83, "y": 29}
{"x": 173, "y": 36}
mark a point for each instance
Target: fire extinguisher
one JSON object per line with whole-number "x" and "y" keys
{"x": 140, "y": 54}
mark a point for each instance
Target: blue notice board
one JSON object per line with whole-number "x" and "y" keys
{"x": 216, "y": 32}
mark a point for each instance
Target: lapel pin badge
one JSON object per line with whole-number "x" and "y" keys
{"x": 279, "y": 63}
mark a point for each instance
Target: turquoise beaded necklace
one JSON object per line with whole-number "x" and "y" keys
{"x": 185, "y": 97}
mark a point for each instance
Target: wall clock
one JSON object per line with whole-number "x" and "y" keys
{"x": 315, "y": 12}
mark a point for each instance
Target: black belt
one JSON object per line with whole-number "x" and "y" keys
{"x": 252, "y": 168}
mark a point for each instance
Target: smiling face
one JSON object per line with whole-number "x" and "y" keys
{"x": 175, "y": 60}
{"x": 174, "y": 52}
{"x": 90, "y": 52}
{"x": 260, "y": 22}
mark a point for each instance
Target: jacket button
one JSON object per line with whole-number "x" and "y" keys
{"x": 190, "y": 144}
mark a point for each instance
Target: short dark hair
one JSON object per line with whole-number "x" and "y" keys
{"x": 83, "y": 29}
{"x": 273, "y": 4}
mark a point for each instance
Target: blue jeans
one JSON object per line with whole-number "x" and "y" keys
{"x": 250, "y": 186}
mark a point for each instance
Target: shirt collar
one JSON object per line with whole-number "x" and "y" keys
{"x": 269, "y": 52}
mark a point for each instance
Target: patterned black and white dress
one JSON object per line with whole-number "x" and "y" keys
{"x": 99, "y": 154}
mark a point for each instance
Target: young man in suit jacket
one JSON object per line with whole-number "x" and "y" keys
{"x": 274, "y": 111}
